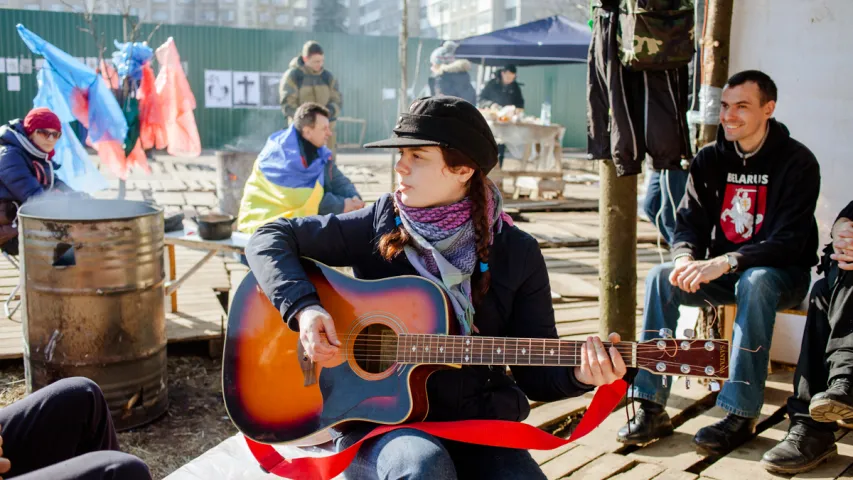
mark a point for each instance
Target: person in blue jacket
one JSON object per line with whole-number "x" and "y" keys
{"x": 26, "y": 168}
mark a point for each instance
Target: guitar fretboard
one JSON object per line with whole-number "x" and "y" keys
{"x": 475, "y": 350}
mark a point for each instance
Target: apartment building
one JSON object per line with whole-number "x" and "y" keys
{"x": 455, "y": 19}
{"x": 267, "y": 14}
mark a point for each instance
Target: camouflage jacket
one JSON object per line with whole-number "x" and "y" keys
{"x": 299, "y": 85}
{"x": 654, "y": 34}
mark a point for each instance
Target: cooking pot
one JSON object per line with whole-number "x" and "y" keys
{"x": 214, "y": 226}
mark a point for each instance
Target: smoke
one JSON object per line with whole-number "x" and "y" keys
{"x": 262, "y": 121}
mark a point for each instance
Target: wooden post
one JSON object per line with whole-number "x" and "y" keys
{"x": 618, "y": 252}
{"x": 715, "y": 57}
{"x": 403, "y": 105}
{"x": 172, "y": 264}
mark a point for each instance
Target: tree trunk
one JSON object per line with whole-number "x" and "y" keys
{"x": 618, "y": 252}
{"x": 715, "y": 57}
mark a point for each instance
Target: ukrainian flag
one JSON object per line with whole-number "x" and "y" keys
{"x": 282, "y": 183}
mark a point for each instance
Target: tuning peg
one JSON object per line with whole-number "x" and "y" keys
{"x": 689, "y": 333}
{"x": 665, "y": 333}
{"x": 663, "y": 381}
{"x": 687, "y": 384}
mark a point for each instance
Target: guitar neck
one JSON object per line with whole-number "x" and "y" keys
{"x": 471, "y": 350}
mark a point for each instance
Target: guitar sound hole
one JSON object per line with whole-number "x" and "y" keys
{"x": 375, "y": 348}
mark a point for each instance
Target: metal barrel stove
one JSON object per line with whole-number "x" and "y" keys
{"x": 93, "y": 298}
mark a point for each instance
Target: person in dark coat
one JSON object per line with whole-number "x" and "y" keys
{"x": 26, "y": 168}
{"x": 823, "y": 382}
{"x": 451, "y": 77}
{"x": 502, "y": 90}
{"x": 444, "y": 223}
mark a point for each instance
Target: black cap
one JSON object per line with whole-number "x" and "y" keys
{"x": 449, "y": 122}
{"x": 509, "y": 68}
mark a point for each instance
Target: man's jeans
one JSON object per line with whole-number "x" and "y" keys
{"x": 827, "y": 348}
{"x": 666, "y": 187}
{"x": 758, "y": 293}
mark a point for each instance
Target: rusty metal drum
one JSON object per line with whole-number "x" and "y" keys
{"x": 93, "y": 298}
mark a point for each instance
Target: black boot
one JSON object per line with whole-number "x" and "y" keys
{"x": 802, "y": 449}
{"x": 836, "y": 403}
{"x": 650, "y": 423}
{"x": 725, "y": 435}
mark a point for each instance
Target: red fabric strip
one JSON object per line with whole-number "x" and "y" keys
{"x": 495, "y": 433}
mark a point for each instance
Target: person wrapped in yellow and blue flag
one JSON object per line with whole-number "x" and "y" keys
{"x": 294, "y": 175}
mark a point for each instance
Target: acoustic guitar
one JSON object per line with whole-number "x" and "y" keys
{"x": 394, "y": 332}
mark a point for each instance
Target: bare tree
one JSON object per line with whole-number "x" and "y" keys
{"x": 131, "y": 29}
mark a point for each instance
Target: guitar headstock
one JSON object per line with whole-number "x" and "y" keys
{"x": 685, "y": 357}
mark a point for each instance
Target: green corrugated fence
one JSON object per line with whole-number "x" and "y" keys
{"x": 250, "y": 62}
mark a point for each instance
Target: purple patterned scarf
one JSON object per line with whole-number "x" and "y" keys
{"x": 447, "y": 232}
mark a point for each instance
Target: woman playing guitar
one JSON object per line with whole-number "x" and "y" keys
{"x": 445, "y": 223}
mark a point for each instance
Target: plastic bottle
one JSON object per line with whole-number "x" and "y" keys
{"x": 545, "y": 116}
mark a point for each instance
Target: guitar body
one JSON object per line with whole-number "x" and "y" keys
{"x": 273, "y": 395}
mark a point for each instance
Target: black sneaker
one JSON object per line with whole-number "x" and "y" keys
{"x": 802, "y": 449}
{"x": 725, "y": 435}
{"x": 650, "y": 423}
{"x": 836, "y": 403}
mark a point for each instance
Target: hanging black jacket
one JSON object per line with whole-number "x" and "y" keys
{"x": 497, "y": 93}
{"x": 518, "y": 303}
{"x": 761, "y": 208}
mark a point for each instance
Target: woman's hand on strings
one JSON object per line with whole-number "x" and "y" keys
{"x": 317, "y": 334}
{"x": 600, "y": 365}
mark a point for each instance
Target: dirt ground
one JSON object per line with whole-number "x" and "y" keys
{"x": 196, "y": 420}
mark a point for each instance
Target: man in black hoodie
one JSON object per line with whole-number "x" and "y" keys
{"x": 823, "y": 383}
{"x": 746, "y": 235}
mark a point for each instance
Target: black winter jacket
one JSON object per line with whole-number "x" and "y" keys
{"x": 18, "y": 182}
{"x": 518, "y": 303}
{"x": 497, "y": 93}
{"x": 761, "y": 208}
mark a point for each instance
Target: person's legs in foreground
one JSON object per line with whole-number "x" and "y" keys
{"x": 66, "y": 420}
{"x": 401, "y": 454}
{"x": 661, "y": 311}
{"x": 822, "y": 382}
{"x": 760, "y": 292}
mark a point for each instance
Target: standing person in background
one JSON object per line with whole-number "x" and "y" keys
{"x": 307, "y": 81}
{"x": 499, "y": 92}
{"x": 503, "y": 90}
{"x": 451, "y": 77}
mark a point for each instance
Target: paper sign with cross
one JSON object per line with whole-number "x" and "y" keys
{"x": 247, "y": 89}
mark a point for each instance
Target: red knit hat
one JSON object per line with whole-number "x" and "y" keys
{"x": 41, "y": 118}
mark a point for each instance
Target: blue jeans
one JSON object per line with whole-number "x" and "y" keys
{"x": 666, "y": 187}
{"x": 758, "y": 293}
{"x": 413, "y": 455}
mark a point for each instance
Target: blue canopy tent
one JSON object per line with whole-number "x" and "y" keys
{"x": 549, "y": 41}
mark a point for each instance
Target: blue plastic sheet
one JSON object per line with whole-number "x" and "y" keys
{"x": 75, "y": 168}
{"x": 63, "y": 82}
{"x": 106, "y": 121}
{"x": 130, "y": 58}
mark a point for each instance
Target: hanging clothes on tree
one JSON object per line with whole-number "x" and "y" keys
{"x": 642, "y": 107}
